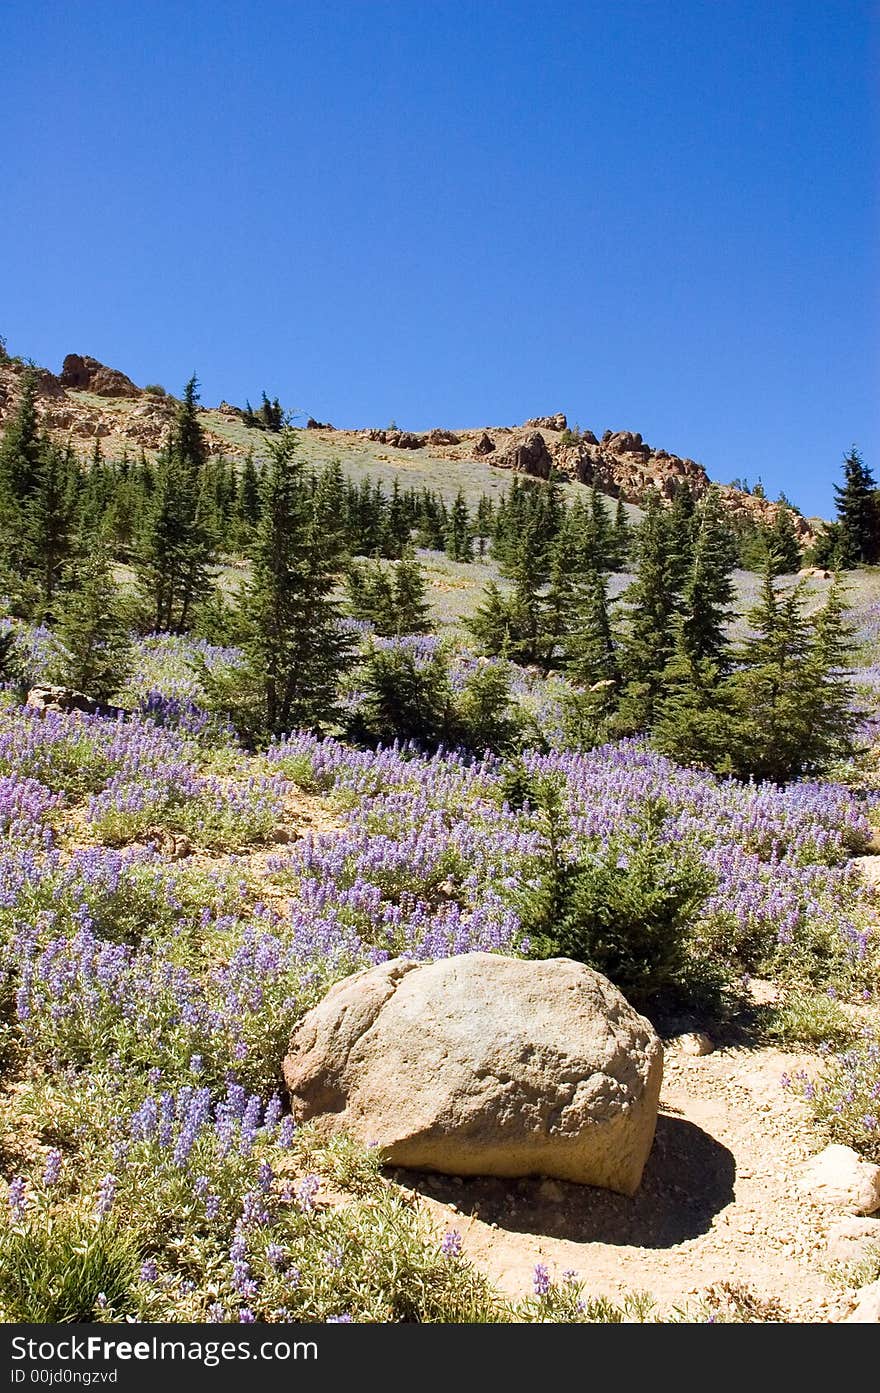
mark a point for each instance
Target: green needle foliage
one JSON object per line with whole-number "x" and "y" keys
{"x": 629, "y": 910}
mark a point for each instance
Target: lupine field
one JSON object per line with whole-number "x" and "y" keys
{"x": 147, "y": 1001}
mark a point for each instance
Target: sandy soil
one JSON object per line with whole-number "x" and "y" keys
{"x": 719, "y": 1203}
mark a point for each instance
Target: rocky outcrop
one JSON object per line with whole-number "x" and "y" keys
{"x": 64, "y": 700}
{"x": 483, "y": 1065}
{"x": 84, "y": 374}
{"x": 485, "y": 445}
{"x": 557, "y": 422}
{"x": 312, "y": 424}
{"x": 527, "y": 455}
{"x": 442, "y": 437}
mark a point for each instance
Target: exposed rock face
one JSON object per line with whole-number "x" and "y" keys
{"x": 46, "y": 697}
{"x": 442, "y": 437}
{"x": 839, "y": 1176}
{"x": 84, "y": 374}
{"x": 312, "y": 424}
{"x": 50, "y": 698}
{"x": 483, "y": 1065}
{"x": 557, "y": 422}
{"x": 485, "y": 445}
{"x": 528, "y": 455}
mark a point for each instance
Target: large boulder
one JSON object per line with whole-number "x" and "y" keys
{"x": 485, "y": 445}
{"x": 85, "y": 374}
{"x": 483, "y": 1065}
{"x": 529, "y": 455}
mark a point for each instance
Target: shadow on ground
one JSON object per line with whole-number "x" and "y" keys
{"x": 689, "y": 1179}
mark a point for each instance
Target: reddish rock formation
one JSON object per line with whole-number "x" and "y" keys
{"x": 84, "y": 374}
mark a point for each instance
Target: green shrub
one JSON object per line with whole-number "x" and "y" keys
{"x": 628, "y": 909}
{"x": 66, "y": 1268}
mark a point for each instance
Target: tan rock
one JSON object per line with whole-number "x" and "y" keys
{"x": 483, "y": 1065}
{"x": 867, "y": 1308}
{"x": 853, "y": 1239}
{"x": 840, "y": 1177}
{"x": 695, "y": 1042}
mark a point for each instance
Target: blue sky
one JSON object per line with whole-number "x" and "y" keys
{"x": 653, "y": 216}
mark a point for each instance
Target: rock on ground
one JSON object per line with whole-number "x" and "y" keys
{"x": 483, "y": 1065}
{"x": 840, "y": 1177}
{"x": 867, "y": 1308}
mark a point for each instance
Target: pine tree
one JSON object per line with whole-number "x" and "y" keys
{"x": 621, "y": 538}
{"x": 189, "y": 438}
{"x": 775, "y": 688}
{"x": 48, "y": 517}
{"x": 491, "y": 623}
{"x": 403, "y": 698}
{"x": 602, "y": 532}
{"x": 97, "y": 648}
{"x": 709, "y": 592}
{"x": 21, "y": 448}
{"x": 857, "y": 513}
{"x": 782, "y": 543}
{"x": 176, "y": 543}
{"x": 459, "y": 546}
{"x": 592, "y": 656}
{"x": 561, "y": 600}
{"x": 396, "y": 529}
{"x": 296, "y": 647}
{"x": 654, "y": 603}
{"x": 411, "y": 605}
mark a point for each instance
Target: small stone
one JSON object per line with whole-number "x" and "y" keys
{"x": 695, "y": 1042}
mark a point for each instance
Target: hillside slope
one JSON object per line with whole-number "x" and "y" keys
{"x": 88, "y": 401}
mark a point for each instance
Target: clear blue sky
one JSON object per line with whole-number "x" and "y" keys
{"x": 653, "y": 216}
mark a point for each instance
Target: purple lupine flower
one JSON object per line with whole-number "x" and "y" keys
{"x": 450, "y": 1244}
{"x": 541, "y": 1280}
{"x": 149, "y": 1271}
{"x": 106, "y": 1195}
{"x": 17, "y": 1198}
{"x": 52, "y": 1168}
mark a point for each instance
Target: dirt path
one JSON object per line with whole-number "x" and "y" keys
{"x": 719, "y": 1201}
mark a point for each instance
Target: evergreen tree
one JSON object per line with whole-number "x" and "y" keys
{"x": 48, "y": 536}
{"x": 793, "y": 700}
{"x": 96, "y": 655}
{"x": 459, "y": 546}
{"x": 621, "y": 538}
{"x": 21, "y": 449}
{"x": 296, "y": 647}
{"x": 560, "y": 603}
{"x": 491, "y": 622}
{"x": 411, "y": 597}
{"x": 654, "y": 603}
{"x": 602, "y": 532}
{"x": 709, "y": 592}
{"x": 592, "y": 657}
{"x": 782, "y": 543}
{"x": 857, "y": 513}
{"x": 176, "y": 542}
{"x": 404, "y": 697}
{"x": 396, "y": 529}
